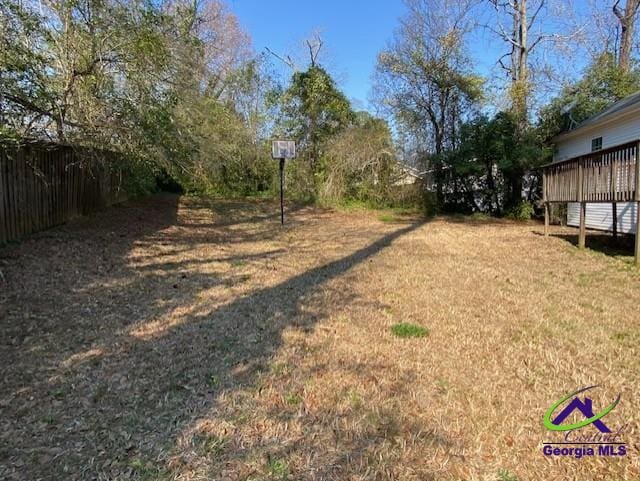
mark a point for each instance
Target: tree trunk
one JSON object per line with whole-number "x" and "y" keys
{"x": 439, "y": 177}
{"x": 520, "y": 59}
{"x": 60, "y": 129}
{"x": 627, "y": 19}
{"x": 313, "y": 154}
{"x": 518, "y": 40}
{"x": 492, "y": 198}
{"x": 515, "y": 189}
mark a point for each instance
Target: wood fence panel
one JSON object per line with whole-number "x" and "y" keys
{"x": 44, "y": 185}
{"x": 3, "y": 216}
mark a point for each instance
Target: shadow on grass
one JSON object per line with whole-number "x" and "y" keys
{"x": 109, "y": 364}
{"x": 602, "y": 242}
{"x": 484, "y": 219}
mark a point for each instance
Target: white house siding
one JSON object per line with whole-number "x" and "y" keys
{"x": 599, "y": 216}
{"x": 620, "y": 131}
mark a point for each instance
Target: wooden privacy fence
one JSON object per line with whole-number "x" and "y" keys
{"x": 43, "y": 185}
{"x": 611, "y": 175}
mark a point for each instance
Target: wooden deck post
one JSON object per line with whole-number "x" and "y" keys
{"x": 637, "y": 248}
{"x": 614, "y": 195}
{"x": 582, "y": 237}
{"x": 546, "y": 219}
{"x": 546, "y": 203}
{"x": 637, "y": 199}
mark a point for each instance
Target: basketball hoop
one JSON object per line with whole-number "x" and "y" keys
{"x": 282, "y": 150}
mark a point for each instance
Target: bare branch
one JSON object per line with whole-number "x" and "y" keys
{"x": 555, "y": 37}
{"x": 616, "y": 10}
{"x": 503, "y": 34}
{"x": 509, "y": 70}
{"x": 532, "y": 20}
{"x": 287, "y": 60}
{"x": 314, "y": 49}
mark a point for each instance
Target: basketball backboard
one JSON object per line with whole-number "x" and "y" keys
{"x": 283, "y": 149}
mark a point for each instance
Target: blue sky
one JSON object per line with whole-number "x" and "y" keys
{"x": 354, "y": 31}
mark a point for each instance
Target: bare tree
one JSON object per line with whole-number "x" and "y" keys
{"x": 226, "y": 46}
{"x": 517, "y": 36}
{"x": 312, "y": 46}
{"x": 524, "y": 25}
{"x": 285, "y": 59}
{"x": 422, "y": 79}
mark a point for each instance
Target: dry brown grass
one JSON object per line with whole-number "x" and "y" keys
{"x": 199, "y": 340}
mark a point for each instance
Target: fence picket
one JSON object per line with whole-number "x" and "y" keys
{"x": 43, "y": 185}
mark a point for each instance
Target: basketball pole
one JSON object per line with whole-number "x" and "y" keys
{"x": 282, "y": 191}
{"x": 282, "y": 150}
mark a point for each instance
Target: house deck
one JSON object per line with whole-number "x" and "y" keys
{"x": 611, "y": 175}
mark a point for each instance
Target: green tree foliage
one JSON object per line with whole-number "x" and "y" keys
{"x": 603, "y": 83}
{"x": 313, "y": 110}
{"x": 424, "y": 83}
{"x": 172, "y": 85}
{"x": 487, "y": 168}
{"x": 359, "y": 162}
{"x": 22, "y": 67}
{"x": 176, "y": 88}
